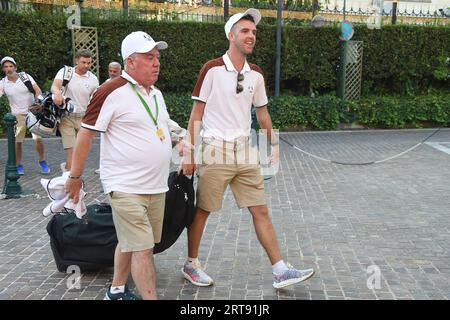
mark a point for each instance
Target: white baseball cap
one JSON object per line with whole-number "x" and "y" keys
{"x": 8, "y": 59}
{"x": 140, "y": 42}
{"x": 238, "y": 16}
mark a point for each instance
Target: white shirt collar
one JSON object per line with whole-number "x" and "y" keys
{"x": 81, "y": 75}
{"x": 127, "y": 77}
{"x": 230, "y": 67}
{"x": 10, "y": 81}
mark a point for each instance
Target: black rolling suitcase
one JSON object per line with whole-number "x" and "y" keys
{"x": 88, "y": 243}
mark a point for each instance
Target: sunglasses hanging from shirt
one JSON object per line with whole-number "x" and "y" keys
{"x": 239, "y": 87}
{"x": 159, "y": 131}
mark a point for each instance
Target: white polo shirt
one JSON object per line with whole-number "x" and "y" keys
{"x": 227, "y": 114}
{"x": 132, "y": 158}
{"x": 20, "y": 99}
{"x": 79, "y": 89}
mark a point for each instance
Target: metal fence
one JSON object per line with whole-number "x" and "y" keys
{"x": 145, "y": 12}
{"x": 425, "y": 13}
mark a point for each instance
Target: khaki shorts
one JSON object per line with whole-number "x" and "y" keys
{"x": 69, "y": 127}
{"x": 237, "y": 167}
{"x": 21, "y": 128}
{"x": 138, "y": 219}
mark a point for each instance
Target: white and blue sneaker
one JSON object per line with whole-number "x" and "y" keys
{"x": 194, "y": 273}
{"x": 291, "y": 276}
{"x": 125, "y": 295}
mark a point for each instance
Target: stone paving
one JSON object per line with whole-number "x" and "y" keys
{"x": 350, "y": 223}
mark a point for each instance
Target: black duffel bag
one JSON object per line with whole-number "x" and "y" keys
{"x": 179, "y": 210}
{"x": 88, "y": 243}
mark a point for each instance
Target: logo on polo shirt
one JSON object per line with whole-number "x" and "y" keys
{"x": 250, "y": 89}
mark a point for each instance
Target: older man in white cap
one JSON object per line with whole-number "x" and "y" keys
{"x": 226, "y": 89}
{"x": 21, "y": 91}
{"x": 135, "y": 153}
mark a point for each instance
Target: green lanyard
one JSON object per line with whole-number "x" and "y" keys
{"x": 144, "y": 103}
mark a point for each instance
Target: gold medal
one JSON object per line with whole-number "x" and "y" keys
{"x": 159, "y": 131}
{"x": 160, "y": 134}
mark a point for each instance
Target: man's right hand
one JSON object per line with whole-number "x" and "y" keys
{"x": 73, "y": 187}
{"x": 58, "y": 99}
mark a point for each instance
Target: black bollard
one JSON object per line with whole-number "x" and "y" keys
{"x": 11, "y": 188}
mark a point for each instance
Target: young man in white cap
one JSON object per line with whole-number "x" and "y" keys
{"x": 226, "y": 89}
{"x": 20, "y": 99}
{"x": 79, "y": 89}
{"x": 135, "y": 154}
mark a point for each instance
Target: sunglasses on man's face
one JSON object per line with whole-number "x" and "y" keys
{"x": 239, "y": 87}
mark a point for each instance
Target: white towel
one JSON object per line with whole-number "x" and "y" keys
{"x": 60, "y": 199}
{"x": 176, "y": 132}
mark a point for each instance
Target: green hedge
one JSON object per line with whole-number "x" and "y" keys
{"x": 290, "y": 113}
{"x": 4, "y": 108}
{"x": 397, "y": 59}
{"x": 328, "y": 112}
{"x": 40, "y": 43}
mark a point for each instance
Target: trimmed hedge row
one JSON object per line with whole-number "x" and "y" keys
{"x": 290, "y": 113}
{"x": 40, "y": 43}
{"x": 328, "y": 112}
{"x": 397, "y": 59}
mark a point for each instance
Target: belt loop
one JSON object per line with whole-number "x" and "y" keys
{"x": 224, "y": 151}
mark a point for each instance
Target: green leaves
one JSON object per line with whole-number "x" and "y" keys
{"x": 179, "y": 108}
{"x": 38, "y": 42}
{"x": 298, "y": 113}
{"x": 396, "y": 59}
{"x": 327, "y": 112}
{"x": 403, "y": 111}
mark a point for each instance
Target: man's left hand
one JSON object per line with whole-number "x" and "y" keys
{"x": 274, "y": 155}
{"x": 184, "y": 148}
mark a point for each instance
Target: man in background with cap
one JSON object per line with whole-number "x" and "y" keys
{"x": 79, "y": 89}
{"x": 20, "y": 99}
{"x": 135, "y": 154}
{"x": 226, "y": 89}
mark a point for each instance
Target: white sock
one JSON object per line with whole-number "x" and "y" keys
{"x": 117, "y": 289}
{"x": 192, "y": 261}
{"x": 279, "y": 267}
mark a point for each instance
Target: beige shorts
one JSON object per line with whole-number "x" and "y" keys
{"x": 138, "y": 219}
{"x": 69, "y": 127}
{"x": 21, "y": 128}
{"x": 237, "y": 167}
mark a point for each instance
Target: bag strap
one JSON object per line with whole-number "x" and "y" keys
{"x": 67, "y": 76}
{"x": 27, "y": 82}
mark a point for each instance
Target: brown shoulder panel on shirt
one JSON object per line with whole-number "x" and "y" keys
{"x": 254, "y": 67}
{"x": 206, "y": 67}
{"x": 99, "y": 97}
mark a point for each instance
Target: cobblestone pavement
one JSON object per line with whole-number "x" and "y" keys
{"x": 349, "y": 222}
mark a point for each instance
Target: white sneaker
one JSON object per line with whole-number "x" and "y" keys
{"x": 291, "y": 276}
{"x": 63, "y": 167}
{"x": 195, "y": 274}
